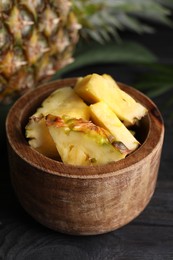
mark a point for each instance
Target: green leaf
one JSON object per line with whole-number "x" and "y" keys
{"x": 98, "y": 16}
{"x": 126, "y": 52}
{"x": 134, "y": 24}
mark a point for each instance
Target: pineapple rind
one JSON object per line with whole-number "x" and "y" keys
{"x": 80, "y": 142}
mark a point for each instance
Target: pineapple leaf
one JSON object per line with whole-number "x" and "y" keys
{"x": 133, "y": 24}
{"x": 125, "y": 52}
{"x": 101, "y": 20}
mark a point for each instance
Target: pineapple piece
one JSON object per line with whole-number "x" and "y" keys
{"x": 103, "y": 116}
{"x": 93, "y": 88}
{"x": 63, "y": 101}
{"x": 39, "y": 137}
{"x": 80, "y": 142}
{"x": 123, "y": 94}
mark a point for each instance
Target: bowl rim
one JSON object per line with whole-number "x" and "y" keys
{"x": 20, "y": 146}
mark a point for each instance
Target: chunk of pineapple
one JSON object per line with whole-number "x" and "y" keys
{"x": 39, "y": 137}
{"x": 122, "y": 93}
{"x": 94, "y": 88}
{"x": 80, "y": 142}
{"x": 103, "y": 116}
{"x": 63, "y": 101}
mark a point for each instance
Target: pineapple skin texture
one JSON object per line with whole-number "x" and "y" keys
{"x": 37, "y": 39}
{"x": 63, "y": 101}
{"x": 94, "y": 88}
{"x": 80, "y": 142}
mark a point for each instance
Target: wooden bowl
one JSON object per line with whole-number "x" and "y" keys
{"x": 83, "y": 200}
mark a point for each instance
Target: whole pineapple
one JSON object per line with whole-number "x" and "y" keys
{"x": 37, "y": 38}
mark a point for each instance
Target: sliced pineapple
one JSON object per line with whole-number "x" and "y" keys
{"x": 80, "y": 142}
{"x": 39, "y": 137}
{"x": 122, "y": 93}
{"x": 63, "y": 101}
{"x": 103, "y": 116}
{"x": 94, "y": 88}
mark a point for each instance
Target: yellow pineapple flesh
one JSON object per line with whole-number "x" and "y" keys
{"x": 80, "y": 142}
{"x": 39, "y": 137}
{"x": 63, "y": 101}
{"x": 60, "y": 127}
{"x": 93, "y": 88}
{"x": 103, "y": 116}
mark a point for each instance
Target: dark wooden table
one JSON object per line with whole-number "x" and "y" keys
{"x": 149, "y": 236}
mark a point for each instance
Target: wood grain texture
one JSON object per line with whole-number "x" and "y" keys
{"x": 150, "y": 236}
{"x": 82, "y": 200}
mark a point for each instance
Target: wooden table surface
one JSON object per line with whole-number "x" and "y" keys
{"x": 149, "y": 236}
